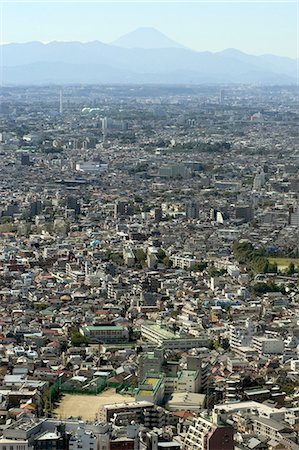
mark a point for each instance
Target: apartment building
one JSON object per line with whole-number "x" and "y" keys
{"x": 268, "y": 346}
{"x": 203, "y": 434}
{"x": 273, "y": 429}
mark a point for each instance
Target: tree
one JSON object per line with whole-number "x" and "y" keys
{"x": 262, "y": 288}
{"x": 160, "y": 254}
{"x": 289, "y": 389}
{"x": 77, "y": 339}
{"x": 291, "y": 269}
{"x": 253, "y": 259}
{"x": 167, "y": 262}
{"x": 215, "y": 345}
{"x": 140, "y": 255}
{"x": 175, "y": 327}
{"x": 117, "y": 258}
{"x": 201, "y": 266}
{"x": 132, "y": 335}
{"x": 6, "y": 219}
{"x": 213, "y": 272}
{"x": 225, "y": 344}
{"x": 46, "y": 402}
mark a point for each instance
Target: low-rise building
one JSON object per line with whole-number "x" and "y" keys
{"x": 108, "y": 334}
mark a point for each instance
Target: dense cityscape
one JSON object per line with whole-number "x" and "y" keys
{"x": 149, "y": 263}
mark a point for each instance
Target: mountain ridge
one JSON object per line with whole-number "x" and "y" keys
{"x": 121, "y": 64}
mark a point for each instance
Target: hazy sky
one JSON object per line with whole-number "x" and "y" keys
{"x": 255, "y": 27}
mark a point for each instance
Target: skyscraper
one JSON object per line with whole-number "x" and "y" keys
{"x": 259, "y": 180}
{"x": 221, "y": 96}
{"x": 158, "y": 214}
{"x": 192, "y": 210}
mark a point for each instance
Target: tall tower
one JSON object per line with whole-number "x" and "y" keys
{"x": 221, "y": 96}
{"x": 104, "y": 127}
{"x": 60, "y": 102}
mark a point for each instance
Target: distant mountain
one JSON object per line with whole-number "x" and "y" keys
{"x": 145, "y": 38}
{"x": 96, "y": 62}
{"x": 279, "y": 64}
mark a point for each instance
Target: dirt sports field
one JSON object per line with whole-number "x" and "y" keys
{"x": 86, "y": 406}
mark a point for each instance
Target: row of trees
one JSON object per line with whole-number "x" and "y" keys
{"x": 263, "y": 288}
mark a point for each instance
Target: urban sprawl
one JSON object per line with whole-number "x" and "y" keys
{"x": 149, "y": 268}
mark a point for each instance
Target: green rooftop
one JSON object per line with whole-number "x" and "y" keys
{"x": 165, "y": 333}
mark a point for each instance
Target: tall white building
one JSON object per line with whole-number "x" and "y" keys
{"x": 259, "y": 180}
{"x": 241, "y": 334}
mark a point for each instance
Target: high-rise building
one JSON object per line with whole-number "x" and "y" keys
{"x": 104, "y": 123}
{"x": 35, "y": 208}
{"x": 294, "y": 217}
{"x": 244, "y": 212}
{"x": 119, "y": 209}
{"x": 221, "y": 96}
{"x": 204, "y": 434}
{"x": 196, "y": 363}
{"x": 150, "y": 362}
{"x": 259, "y": 180}
{"x": 60, "y": 102}
{"x": 25, "y": 159}
{"x": 158, "y": 214}
{"x": 192, "y": 210}
{"x": 73, "y": 203}
{"x": 122, "y": 208}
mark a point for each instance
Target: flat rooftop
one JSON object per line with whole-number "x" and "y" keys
{"x": 163, "y": 332}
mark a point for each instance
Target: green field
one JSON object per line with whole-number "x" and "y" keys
{"x": 283, "y": 263}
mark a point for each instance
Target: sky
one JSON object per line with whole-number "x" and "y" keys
{"x": 253, "y": 26}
